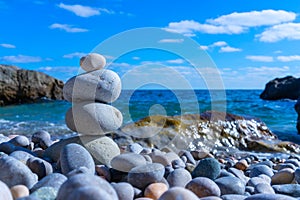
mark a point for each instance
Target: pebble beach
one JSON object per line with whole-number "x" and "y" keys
{"x": 98, "y": 165}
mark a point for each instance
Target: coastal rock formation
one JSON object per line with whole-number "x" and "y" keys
{"x": 209, "y": 131}
{"x": 25, "y": 86}
{"x": 282, "y": 88}
{"x": 297, "y": 109}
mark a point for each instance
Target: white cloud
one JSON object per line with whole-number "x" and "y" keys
{"x": 260, "y": 58}
{"x": 228, "y": 49}
{"x": 67, "y": 28}
{"x": 79, "y": 10}
{"x": 288, "y": 58}
{"x": 254, "y": 18}
{"x": 190, "y": 27}
{"x": 21, "y": 59}
{"x": 9, "y": 46}
{"x": 278, "y": 52}
{"x": 234, "y": 23}
{"x": 168, "y": 40}
{"x": 136, "y": 58}
{"x": 176, "y": 61}
{"x": 203, "y": 47}
{"x": 75, "y": 55}
{"x": 219, "y": 44}
{"x": 290, "y": 31}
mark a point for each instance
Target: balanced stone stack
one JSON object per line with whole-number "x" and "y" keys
{"x": 90, "y": 93}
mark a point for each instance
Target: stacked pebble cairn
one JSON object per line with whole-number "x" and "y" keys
{"x": 91, "y": 167}
{"x": 90, "y": 92}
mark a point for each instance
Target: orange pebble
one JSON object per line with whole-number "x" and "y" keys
{"x": 155, "y": 190}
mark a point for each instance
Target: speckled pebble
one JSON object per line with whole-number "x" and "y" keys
{"x": 45, "y": 193}
{"x": 54, "y": 180}
{"x": 203, "y": 187}
{"x": 92, "y": 61}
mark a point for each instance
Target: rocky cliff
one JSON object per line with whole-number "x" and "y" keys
{"x": 26, "y": 86}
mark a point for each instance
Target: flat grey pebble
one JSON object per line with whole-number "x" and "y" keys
{"x": 287, "y": 189}
{"x": 179, "y": 177}
{"x": 54, "y": 180}
{"x": 233, "y": 197}
{"x": 230, "y": 185}
{"x": 20, "y": 141}
{"x": 126, "y": 161}
{"x": 124, "y": 190}
{"x": 135, "y": 148}
{"x": 74, "y": 156}
{"x": 269, "y": 197}
{"x": 261, "y": 169}
{"x": 80, "y": 170}
{"x": 21, "y": 156}
{"x": 263, "y": 188}
{"x": 89, "y": 193}
{"x": 255, "y": 180}
{"x": 81, "y": 180}
{"x": 14, "y": 172}
{"x": 203, "y": 187}
{"x": 178, "y": 193}
{"x": 143, "y": 175}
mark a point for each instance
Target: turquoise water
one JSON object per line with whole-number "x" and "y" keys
{"x": 49, "y": 115}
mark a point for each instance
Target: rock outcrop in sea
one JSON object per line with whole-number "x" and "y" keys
{"x": 27, "y": 86}
{"x": 282, "y": 88}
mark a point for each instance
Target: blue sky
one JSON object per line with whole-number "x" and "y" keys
{"x": 250, "y": 42}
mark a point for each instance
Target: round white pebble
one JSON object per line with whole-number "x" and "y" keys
{"x": 92, "y": 61}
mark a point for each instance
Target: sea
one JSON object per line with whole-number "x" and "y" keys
{"x": 49, "y": 115}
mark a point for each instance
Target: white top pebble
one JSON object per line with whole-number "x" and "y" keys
{"x": 92, "y": 61}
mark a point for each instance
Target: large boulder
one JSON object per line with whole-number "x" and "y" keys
{"x": 25, "y": 86}
{"x": 282, "y": 88}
